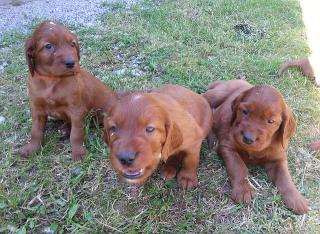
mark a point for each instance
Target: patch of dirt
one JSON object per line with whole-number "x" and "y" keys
{"x": 246, "y": 31}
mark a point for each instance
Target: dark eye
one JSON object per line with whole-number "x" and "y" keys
{"x": 73, "y": 44}
{"x": 48, "y": 46}
{"x": 270, "y": 121}
{"x": 245, "y": 112}
{"x": 149, "y": 129}
{"x": 113, "y": 129}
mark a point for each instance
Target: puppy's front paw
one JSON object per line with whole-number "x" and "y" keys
{"x": 187, "y": 180}
{"x": 242, "y": 193}
{"x": 296, "y": 202}
{"x": 78, "y": 154}
{"x": 28, "y": 149}
{"x": 168, "y": 172}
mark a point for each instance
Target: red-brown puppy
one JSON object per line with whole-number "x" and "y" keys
{"x": 59, "y": 88}
{"x": 253, "y": 126}
{"x": 167, "y": 124}
{"x": 306, "y": 68}
{"x": 303, "y": 64}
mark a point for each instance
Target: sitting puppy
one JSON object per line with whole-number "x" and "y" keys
{"x": 167, "y": 124}
{"x": 57, "y": 86}
{"x": 253, "y": 126}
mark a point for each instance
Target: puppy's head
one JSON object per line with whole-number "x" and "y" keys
{"x": 260, "y": 117}
{"x": 140, "y": 133}
{"x": 52, "y": 50}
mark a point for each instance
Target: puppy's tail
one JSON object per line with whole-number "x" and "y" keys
{"x": 303, "y": 64}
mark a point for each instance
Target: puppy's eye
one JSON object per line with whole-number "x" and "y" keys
{"x": 113, "y": 129}
{"x": 270, "y": 121}
{"x": 73, "y": 44}
{"x": 245, "y": 112}
{"x": 150, "y": 129}
{"x": 48, "y": 46}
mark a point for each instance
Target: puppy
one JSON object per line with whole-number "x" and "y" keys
{"x": 307, "y": 69}
{"x": 167, "y": 124}
{"x": 253, "y": 126}
{"x": 304, "y": 65}
{"x": 57, "y": 86}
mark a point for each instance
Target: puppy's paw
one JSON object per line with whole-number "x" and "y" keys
{"x": 187, "y": 180}
{"x": 296, "y": 202}
{"x": 242, "y": 194}
{"x": 168, "y": 172}
{"x": 78, "y": 154}
{"x": 28, "y": 149}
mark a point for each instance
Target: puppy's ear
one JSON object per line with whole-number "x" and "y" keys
{"x": 287, "y": 127}
{"x": 234, "y": 107}
{"x": 29, "y": 50}
{"x": 105, "y": 136}
{"x": 77, "y": 47}
{"x": 173, "y": 139}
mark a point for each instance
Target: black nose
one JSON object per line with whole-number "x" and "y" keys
{"x": 126, "y": 157}
{"x": 69, "y": 63}
{"x": 248, "y": 137}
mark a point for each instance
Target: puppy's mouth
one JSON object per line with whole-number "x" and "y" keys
{"x": 70, "y": 72}
{"x": 133, "y": 174}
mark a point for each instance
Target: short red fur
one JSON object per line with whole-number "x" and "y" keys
{"x": 58, "y": 87}
{"x": 167, "y": 124}
{"x": 253, "y": 125}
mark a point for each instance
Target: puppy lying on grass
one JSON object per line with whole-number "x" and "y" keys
{"x": 253, "y": 125}
{"x": 167, "y": 124}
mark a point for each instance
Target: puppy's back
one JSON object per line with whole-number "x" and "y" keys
{"x": 223, "y": 91}
{"x": 192, "y": 102}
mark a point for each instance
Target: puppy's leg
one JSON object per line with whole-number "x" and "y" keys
{"x": 279, "y": 175}
{"x": 170, "y": 167}
{"x": 77, "y": 138}
{"x": 187, "y": 176}
{"x": 39, "y": 120}
{"x": 238, "y": 174}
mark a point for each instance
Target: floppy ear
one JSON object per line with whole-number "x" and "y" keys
{"x": 173, "y": 139}
{"x": 105, "y": 136}
{"x": 287, "y": 127}
{"x": 77, "y": 47}
{"x": 29, "y": 50}
{"x": 234, "y": 107}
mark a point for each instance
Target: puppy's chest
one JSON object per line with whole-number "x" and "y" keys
{"x": 253, "y": 159}
{"x": 53, "y": 102}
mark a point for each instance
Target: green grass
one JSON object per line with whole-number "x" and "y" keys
{"x": 190, "y": 43}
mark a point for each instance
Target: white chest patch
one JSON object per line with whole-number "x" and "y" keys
{"x": 50, "y": 101}
{"x": 136, "y": 97}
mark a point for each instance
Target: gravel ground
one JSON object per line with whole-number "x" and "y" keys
{"x": 16, "y": 14}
